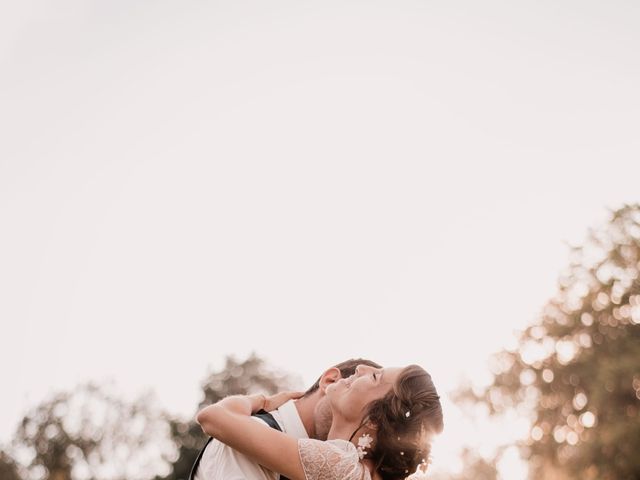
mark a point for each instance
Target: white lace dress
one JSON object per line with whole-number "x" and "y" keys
{"x": 331, "y": 460}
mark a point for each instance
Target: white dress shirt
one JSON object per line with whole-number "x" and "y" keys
{"x": 221, "y": 462}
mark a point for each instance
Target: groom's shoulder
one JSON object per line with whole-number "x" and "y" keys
{"x": 288, "y": 418}
{"x": 220, "y": 461}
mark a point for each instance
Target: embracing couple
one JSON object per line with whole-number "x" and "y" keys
{"x": 359, "y": 421}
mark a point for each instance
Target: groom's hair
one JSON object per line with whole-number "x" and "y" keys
{"x": 347, "y": 368}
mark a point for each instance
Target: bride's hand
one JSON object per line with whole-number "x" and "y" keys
{"x": 274, "y": 401}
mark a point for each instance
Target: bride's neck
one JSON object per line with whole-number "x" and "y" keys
{"x": 341, "y": 430}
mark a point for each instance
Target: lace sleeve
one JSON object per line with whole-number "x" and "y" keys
{"x": 330, "y": 460}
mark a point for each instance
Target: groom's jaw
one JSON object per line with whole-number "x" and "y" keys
{"x": 322, "y": 419}
{"x": 306, "y": 407}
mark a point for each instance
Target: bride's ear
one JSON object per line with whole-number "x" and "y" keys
{"x": 330, "y": 376}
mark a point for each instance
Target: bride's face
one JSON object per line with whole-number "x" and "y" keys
{"x": 349, "y": 396}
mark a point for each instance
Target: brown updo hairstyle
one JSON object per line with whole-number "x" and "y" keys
{"x": 405, "y": 420}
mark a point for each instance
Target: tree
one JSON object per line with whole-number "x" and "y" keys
{"x": 90, "y": 433}
{"x": 252, "y": 375}
{"x": 474, "y": 467}
{"x": 8, "y": 467}
{"x": 577, "y": 369}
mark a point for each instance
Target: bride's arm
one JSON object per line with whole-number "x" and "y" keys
{"x": 229, "y": 421}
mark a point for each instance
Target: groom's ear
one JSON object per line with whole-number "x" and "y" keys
{"x": 330, "y": 376}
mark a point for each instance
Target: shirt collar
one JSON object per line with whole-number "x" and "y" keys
{"x": 290, "y": 420}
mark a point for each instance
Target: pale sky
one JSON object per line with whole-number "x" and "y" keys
{"x": 312, "y": 181}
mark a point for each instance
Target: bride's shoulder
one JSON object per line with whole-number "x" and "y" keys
{"x": 342, "y": 447}
{"x": 345, "y": 445}
{"x": 335, "y": 445}
{"x": 330, "y": 459}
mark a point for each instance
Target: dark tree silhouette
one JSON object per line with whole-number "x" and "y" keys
{"x": 8, "y": 468}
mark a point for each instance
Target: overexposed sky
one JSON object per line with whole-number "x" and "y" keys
{"x": 311, "y": 181}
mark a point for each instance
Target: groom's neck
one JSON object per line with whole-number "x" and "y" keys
{"x": 306, "y": 407}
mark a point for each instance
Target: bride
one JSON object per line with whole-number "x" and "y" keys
{"x": 382, "y": 427}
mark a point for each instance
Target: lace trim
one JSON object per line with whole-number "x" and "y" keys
{"x": 331, "y": 460}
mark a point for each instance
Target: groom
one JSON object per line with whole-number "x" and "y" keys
{"x": 307, "y": 417}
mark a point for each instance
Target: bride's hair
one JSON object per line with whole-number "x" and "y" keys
{"x": 405, "y": 420}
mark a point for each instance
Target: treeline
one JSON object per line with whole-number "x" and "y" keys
{"x": 575, "y": 374}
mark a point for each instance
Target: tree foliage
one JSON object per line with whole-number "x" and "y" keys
{"x": 577, "y": 369}
{"x": 8, "y": 467}
{"x": 252, "y": 375}
{"x": 475, "y": 467}
{"x": 90, "y": 433}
